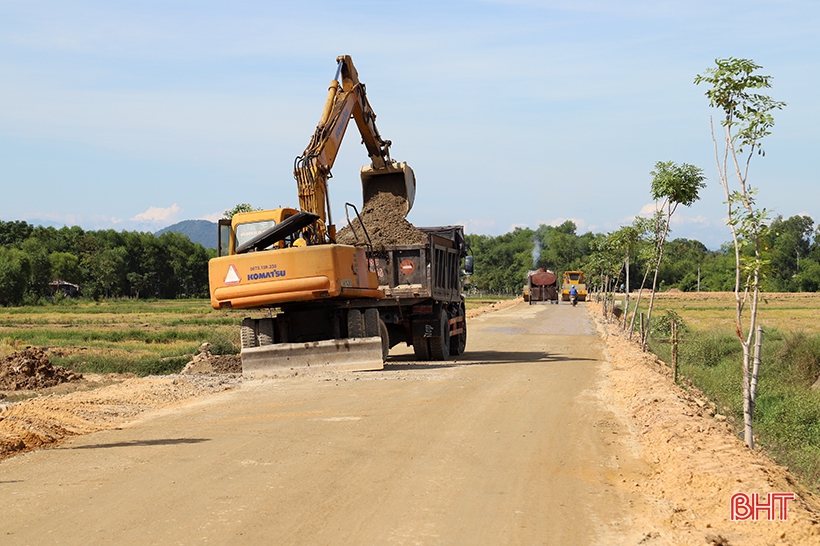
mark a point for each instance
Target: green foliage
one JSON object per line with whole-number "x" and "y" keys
{"x": 221, "y": 344}
{"x": 787, "y": 409}
{"x": 241, "y": 207}
{"x": 747, "y": 114}
{"x": 105, "y": 264}
{"x": 677, "y": 184}
{"x": 799, "y": 356}
{"x": 502, "y": 262}
{"x": 15, "y": 270}
{"x": 662, "y": 325}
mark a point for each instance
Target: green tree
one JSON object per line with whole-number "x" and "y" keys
{"x": 747, "y": 119}
{"x": 65, "y": 266}
{"x": 15, "y": 270}
{"x": 241, "y": 207}
{"x": 672, "y": 185}
{"x": 40, "y": 269}
{"x": 108, "y": 272}
{"x": 789, "y": 244}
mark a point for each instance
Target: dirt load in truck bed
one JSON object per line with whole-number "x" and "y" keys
{"x": 383, "y": 218}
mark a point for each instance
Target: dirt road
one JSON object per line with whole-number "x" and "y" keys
{"x": 554, "y": 429}
{"x": 511, "y": 445}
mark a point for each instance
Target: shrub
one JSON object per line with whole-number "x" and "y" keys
{"x": 799, "y": 355}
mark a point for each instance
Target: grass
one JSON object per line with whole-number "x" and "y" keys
{"x": 136, "y": 336}
{"x": 787, "y": 412}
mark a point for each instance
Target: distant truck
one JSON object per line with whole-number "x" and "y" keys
{"x": 542, "y": 285}
{"x": 574, "y": 278}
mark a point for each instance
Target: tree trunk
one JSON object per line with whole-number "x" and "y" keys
{"x": 638, "y": 303}
{"x": 748, "y": 435}
{"x": 626, "y": 291}
{"x": 753, "y": 382}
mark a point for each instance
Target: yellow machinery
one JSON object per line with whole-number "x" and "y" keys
{"x": 288, "y": 258}
{"x": 574, "y": 278}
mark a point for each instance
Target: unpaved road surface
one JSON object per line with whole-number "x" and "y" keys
{"x": 534, "y": 437}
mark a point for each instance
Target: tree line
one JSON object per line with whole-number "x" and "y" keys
{"x": 108, "y": 263}
{"x": 791, "y": 248}
{"x": 104, "y": 263}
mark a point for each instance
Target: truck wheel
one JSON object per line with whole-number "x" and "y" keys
{"x": 383, "y": 333}
{"x": 247, "y": 334}
{"x": 421, "y": 348}
{"x": 459, "y": 342}
{"x": 440, "y": 345}
{"x": 355, "y": 324}
{"x": 371, "y": 323}
{"x": 265, "y": 332}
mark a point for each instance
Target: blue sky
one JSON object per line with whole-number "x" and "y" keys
{"x": 135, "y": 115}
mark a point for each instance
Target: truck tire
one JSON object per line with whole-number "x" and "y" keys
{"x": 355, "y": 324}
{"x": 459, "y": 342}
{"x": 372, "y": 323}
{"x": 440, "y": 345}
{"x": 247, "y": 334}
{"x": 265, "y": 329}
{"x": 421, "y": 348}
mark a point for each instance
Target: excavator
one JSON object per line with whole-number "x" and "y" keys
{"x": 288, "y": 259}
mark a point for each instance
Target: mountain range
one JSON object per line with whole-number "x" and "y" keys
{"x": 203, "y": 232}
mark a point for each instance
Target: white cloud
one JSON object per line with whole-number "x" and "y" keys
{"x": 648, "y": 209}
{"x": 477, "y": 226}
{"x": 56, "y": 219}
{"x": 213, "y": 217}
{"x": 682, "y": 219}
{"x": 157, "y": 215}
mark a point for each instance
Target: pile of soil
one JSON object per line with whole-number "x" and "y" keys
{"x": 205, "y": 362}
{"x": 31, "y": 369}
{"x": 384, "y": 219}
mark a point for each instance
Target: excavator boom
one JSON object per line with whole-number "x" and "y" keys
{"x": 346, "y": 99}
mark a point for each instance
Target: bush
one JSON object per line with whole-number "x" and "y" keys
{"x": 800, "y": 356}
{"x": 221, "y": 345}
{"x": 710, "y": 349}
{"x": 662, "y": 325}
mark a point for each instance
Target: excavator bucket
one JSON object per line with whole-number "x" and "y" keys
{"x": 395, "y": 178}
{"x": 346, "y": 355}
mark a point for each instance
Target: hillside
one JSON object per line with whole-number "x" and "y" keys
{"x": 199, "y": 231}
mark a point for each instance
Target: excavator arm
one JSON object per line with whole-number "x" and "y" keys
{"x": 346, "y": 99}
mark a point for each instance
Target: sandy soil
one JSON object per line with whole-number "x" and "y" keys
{"x": 527, "y": 439}
{"x": 697, "y": 462}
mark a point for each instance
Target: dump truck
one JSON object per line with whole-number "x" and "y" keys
{"x": 542, "y": 285}
{"x": 574, "y": 278}
{"x": 341, "y": 306}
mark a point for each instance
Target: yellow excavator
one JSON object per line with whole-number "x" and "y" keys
{"x": 326, "y": 294}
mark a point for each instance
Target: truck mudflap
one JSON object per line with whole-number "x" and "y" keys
{"x": 349, "y": 355}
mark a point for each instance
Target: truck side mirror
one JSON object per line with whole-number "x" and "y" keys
{"x": 468, "y": 265}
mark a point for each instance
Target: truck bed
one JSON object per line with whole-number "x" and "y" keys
{"x": 429, "y": 270}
